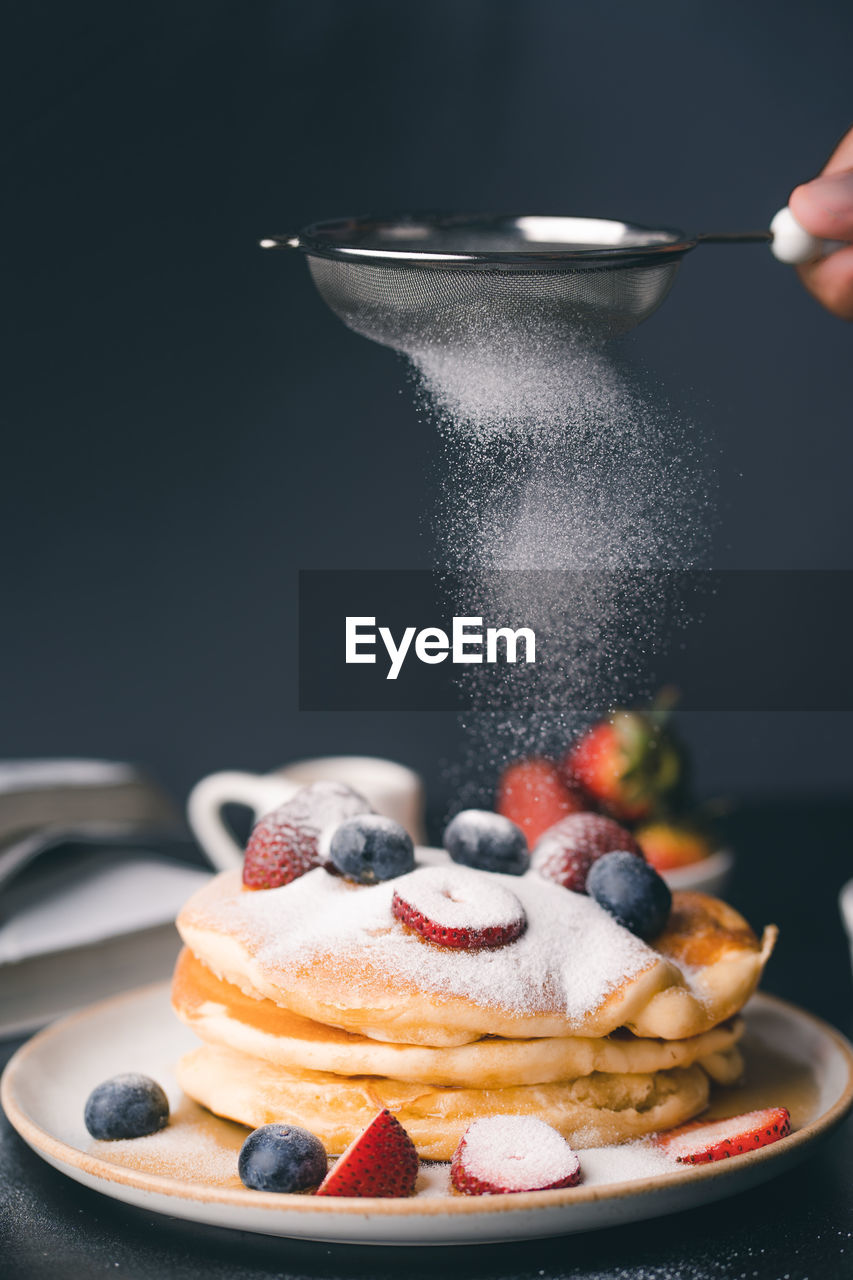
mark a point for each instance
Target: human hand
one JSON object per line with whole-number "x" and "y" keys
{"x": 825, "y": 208}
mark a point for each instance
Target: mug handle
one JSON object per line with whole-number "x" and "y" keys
{"x": 208, "y": 798}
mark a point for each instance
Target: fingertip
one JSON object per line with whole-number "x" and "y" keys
{"x": 824, "y": 206}
{"x": 830, "y": 281}
{"x": 806, "y": 208}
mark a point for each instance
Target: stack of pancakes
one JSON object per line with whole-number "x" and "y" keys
{"x": 318, "y": 1007}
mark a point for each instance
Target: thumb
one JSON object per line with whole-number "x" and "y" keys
{"x": 825, "y": 206}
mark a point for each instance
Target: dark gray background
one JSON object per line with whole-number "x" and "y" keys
{"x": 184, "y": 424}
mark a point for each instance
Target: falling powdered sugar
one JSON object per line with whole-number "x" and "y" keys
{"x": 510, "y": 383}
{"x": 568, "y": 499}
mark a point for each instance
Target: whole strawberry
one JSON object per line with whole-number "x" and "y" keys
{"x": 289, "y": 841}
{"x": 566, "y": 852}
{"x": 533, "y": 794}
{"x": 630, "y": 764}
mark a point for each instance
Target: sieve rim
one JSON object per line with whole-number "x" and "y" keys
{"x": 337, "y": 239}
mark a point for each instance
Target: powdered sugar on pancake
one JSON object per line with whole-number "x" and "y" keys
{"x": 456, "y": 898}
{"x": 570, "y": 957}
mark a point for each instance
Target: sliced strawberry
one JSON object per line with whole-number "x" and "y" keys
{"x": 286, "y": 843}
{"x": 458, "y": 907}
{"x": 630, "y": 764}
{"x": 668, "y": 845}
{"x": 566, "y": 852}
{"x": 501, "y": 1155}
{"x": 534, "y": 796}
{"x": 700, "y": 1142}
{"x": 382, "y": 1161}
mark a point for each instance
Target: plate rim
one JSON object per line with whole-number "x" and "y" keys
{"x": 719, "y": 862}
{"x": 60, "y": 1153}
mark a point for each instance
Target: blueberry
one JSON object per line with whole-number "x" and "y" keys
{"x": 282, "y": 1157}
{"x": 631, "y": 891}
{"x": 127, "y": 1106}
{"x": 479, "y": 838}
{"x": 369, "y": 847}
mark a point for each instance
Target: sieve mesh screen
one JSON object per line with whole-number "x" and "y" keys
{"x": 412, "y": 308}
{"x": 419, "y": 281}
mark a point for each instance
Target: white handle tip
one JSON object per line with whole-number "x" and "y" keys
{"x": 791, "y": 242}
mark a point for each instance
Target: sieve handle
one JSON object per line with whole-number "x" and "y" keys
{"x": 788, "y": 239}
{"x": 733, "y": 237}
{"x": 280, "y": 242}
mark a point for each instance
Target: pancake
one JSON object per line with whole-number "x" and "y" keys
{"x": 725, "y": 1067}
{"x": 221, "y": 1014}
{"x": 594, "y": 1110}
{"x": 333, "y": 953}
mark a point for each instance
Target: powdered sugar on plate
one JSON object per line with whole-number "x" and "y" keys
{"x": 194, "y": 1147}
{"x": 600, "y": 1167}
{"x": 202, "y": 1149}
{"x": 570, "y": 957}
{"x": 632, "y": 1162}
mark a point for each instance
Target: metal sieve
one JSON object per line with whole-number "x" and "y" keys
{"x": 417, "y": 281}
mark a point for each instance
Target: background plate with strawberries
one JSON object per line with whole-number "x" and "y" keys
{"x": 633, "y": 769}
{"x": 189, "y": 1169}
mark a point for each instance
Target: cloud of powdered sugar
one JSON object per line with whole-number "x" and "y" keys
{"x": 569, "y": 497}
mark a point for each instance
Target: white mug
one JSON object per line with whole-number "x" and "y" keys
{"x": 392, "y": 790}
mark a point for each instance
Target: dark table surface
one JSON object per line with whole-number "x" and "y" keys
{"x": 793, "y": 858}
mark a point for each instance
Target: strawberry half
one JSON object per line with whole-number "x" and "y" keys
{"x": 456, "y": 907}
{"x": 286, "y": 843}
{"x": 701, "y": 1142}
{"x": 534, "y": 796}
{"x": 566, "y": 852}
{"x": 382, "y": 1161}
{"x": 502, "y": 1155}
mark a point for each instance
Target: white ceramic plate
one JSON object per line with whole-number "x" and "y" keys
{"x": 189, "y": 1169}
{"x": 709, "y": 875}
